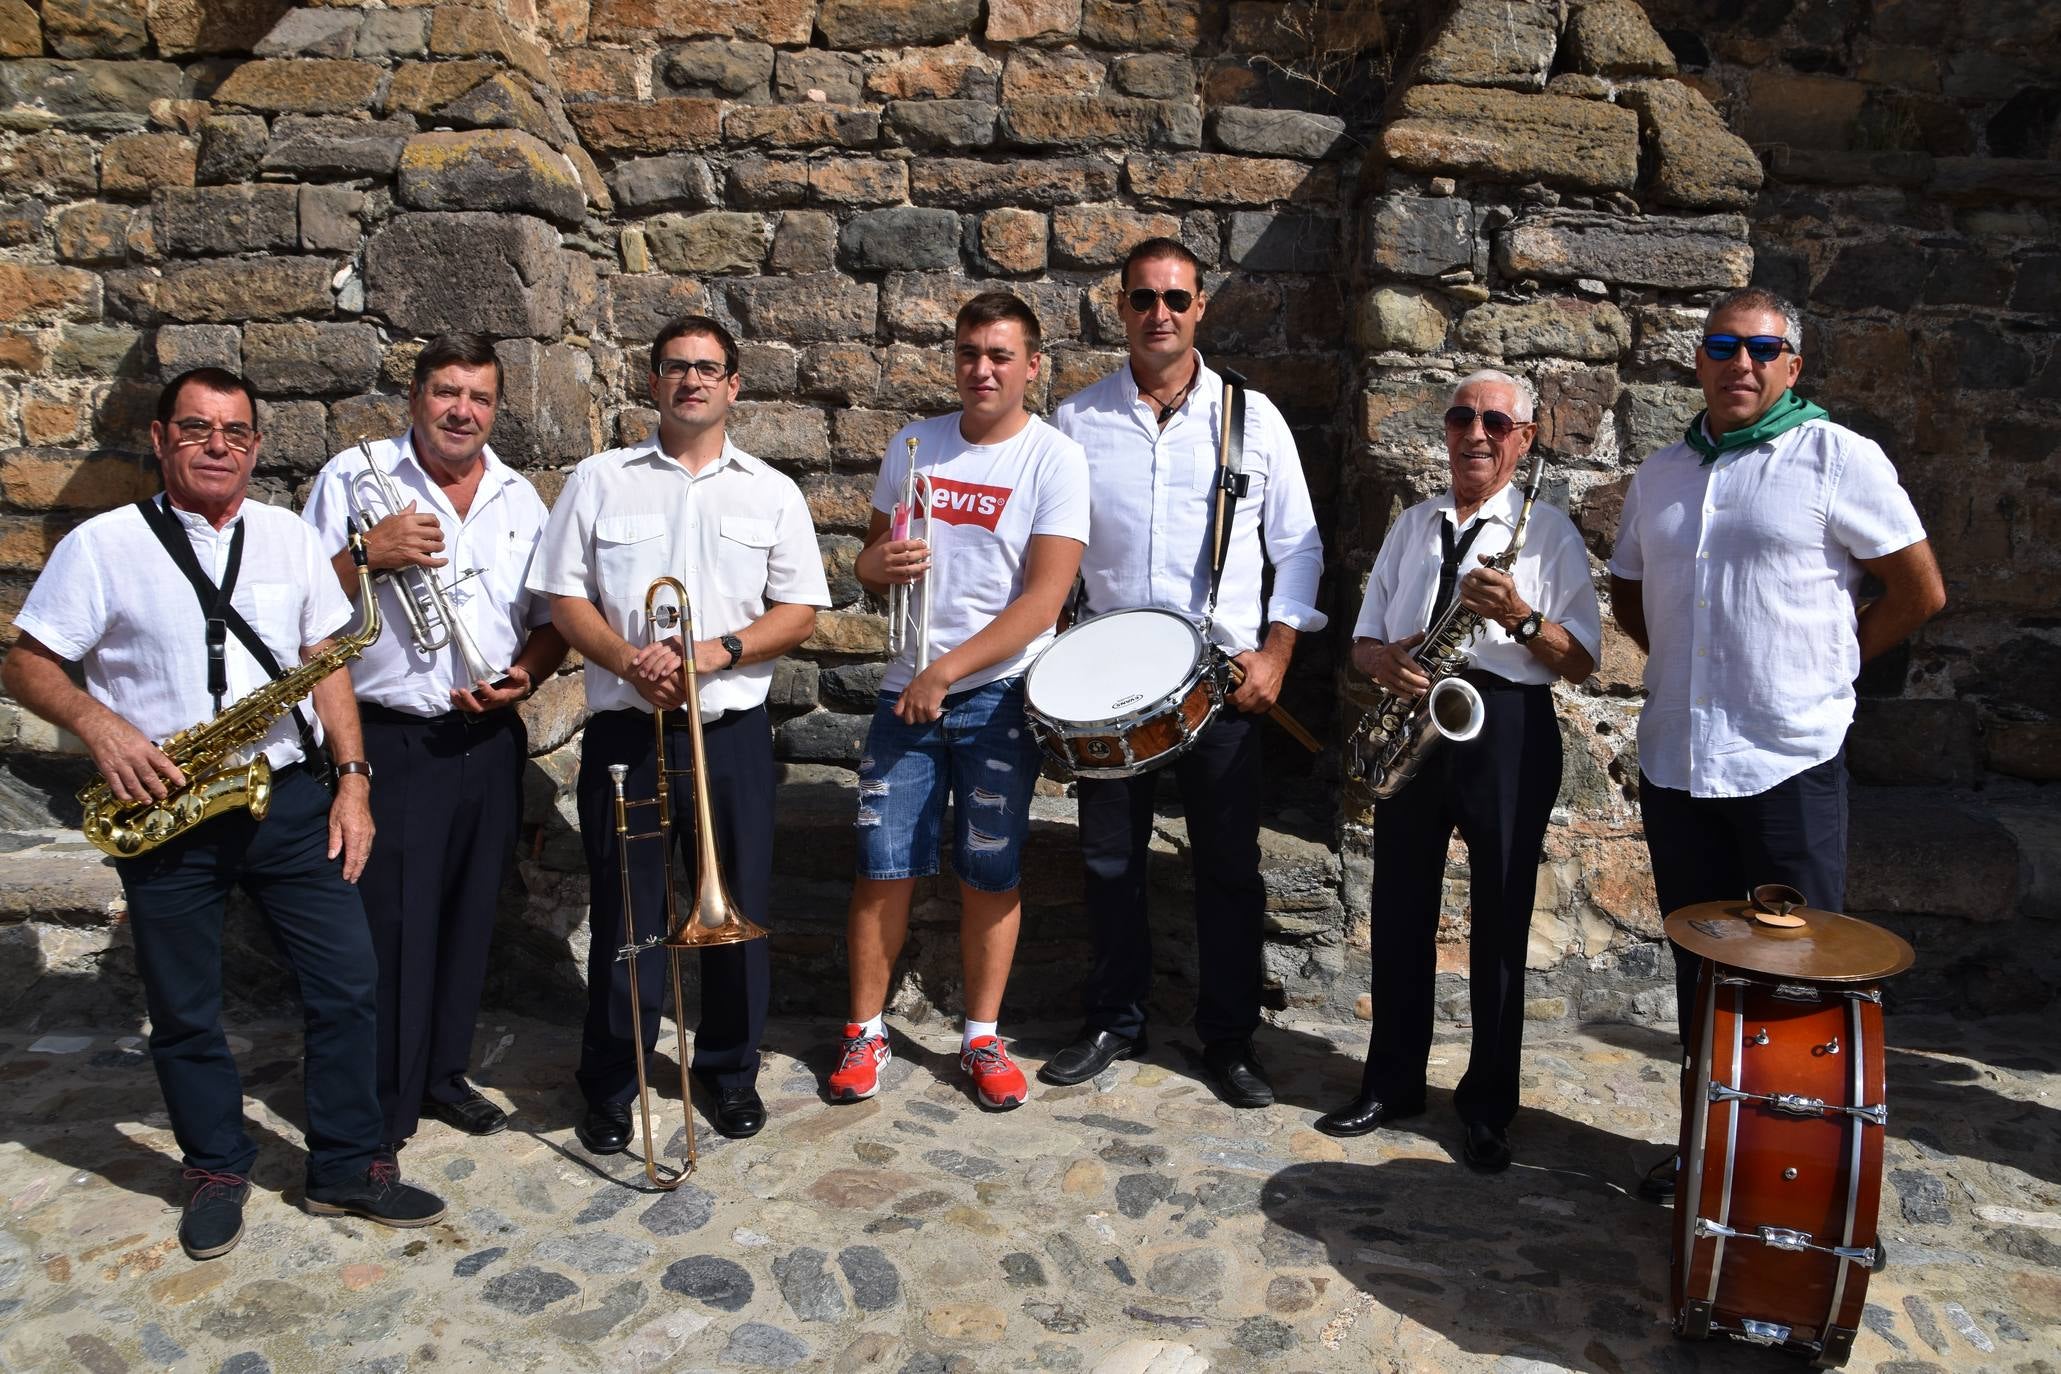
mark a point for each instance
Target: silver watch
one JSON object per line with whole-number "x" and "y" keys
{"x": 1527, "y": 629}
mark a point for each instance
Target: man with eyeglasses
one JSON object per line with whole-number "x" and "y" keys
{"x": 1540, "y": 625}
{"x": 447, "y": 748}
{"x": 689, "y": 504}
{"x": 1740, "y": 554}
{"x": 169, "y": 637}
{"x": 1151, "y": 432}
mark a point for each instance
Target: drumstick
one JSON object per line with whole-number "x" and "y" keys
{"x": 1280, "y": 716}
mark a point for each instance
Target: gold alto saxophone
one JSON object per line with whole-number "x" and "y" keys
{"x": 1400, "y": 732}
{"x": 126, "y": 829}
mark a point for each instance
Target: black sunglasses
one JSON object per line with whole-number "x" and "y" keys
{"x": 1762, "y": 348}
{"x": 1143, "y": 298}
{"x": 1495, "y": 423}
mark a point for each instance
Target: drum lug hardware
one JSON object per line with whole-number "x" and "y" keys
{"x": 1864, "y": 995}
{"x": 1694, "y": 1323}
{"x": 1829, "y": 1047}
{"x": 1760, "y": 1037}
{"x": 1762, "y": 1333}
{"x": 1837, "y": 1346}
{"x": 1796, "y": 1104}
{"x": 1796, "y": 992}
{"x": 1706, "y": 1229}
{"x": 1783, "y": 1238}
{"x": 1877, "y": 1115}
{"x": 1863, "y": 1255}
{"x": 1789, "y": 1174}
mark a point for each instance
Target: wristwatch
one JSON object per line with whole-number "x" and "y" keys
{"x": 358, "y": 766}
{"x": 1527, "y": 629}
{"x": 736, "y": 648}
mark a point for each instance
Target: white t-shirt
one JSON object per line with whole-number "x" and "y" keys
{"x": 989, "y": 501}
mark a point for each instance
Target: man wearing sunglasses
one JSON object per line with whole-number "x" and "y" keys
{"x": 1740, "y": 555}
{"x": 1150, "y": 430}
{"x": 685, "y": 503}
{"x": 1540, "y": 625}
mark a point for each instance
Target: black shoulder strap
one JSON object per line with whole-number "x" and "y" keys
{"x": 1230, "y": 485}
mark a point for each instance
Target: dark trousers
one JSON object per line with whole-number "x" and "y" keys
{"x": 736, "y": 980}
{"x": 176, "y": 894}
{"x": 1497, "y": 789}
{"x": 447, "y": 799}
{"x": 1220, "y": 793}
{"x": 1717, "y": 849}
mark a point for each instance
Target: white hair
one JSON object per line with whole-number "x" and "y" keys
{"x": 1527, "y": 399}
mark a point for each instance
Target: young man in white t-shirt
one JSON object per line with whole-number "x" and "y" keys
{"x": 1008, "y": 501}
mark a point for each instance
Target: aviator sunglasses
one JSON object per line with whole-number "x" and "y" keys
{"x": 1143, "y": 298}
{"x": 1762, "y": 348}
{"x": 1494, "y": 423}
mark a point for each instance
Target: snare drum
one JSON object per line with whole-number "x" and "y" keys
{"x": 1124, "y": 693}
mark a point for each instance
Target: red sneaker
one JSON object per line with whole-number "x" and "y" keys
{"x": 858, "y": 1069}
{"x": 999, "y": 1083}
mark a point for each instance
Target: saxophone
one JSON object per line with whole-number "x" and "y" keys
{"x": 126, "y": 829}
{"x": 1399, "y": 732}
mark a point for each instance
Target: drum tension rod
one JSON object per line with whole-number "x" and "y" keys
{"x": 1783, "y": 1238}
{"x": 1796, "y": 1104}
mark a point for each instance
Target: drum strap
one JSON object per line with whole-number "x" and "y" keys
{"x": 1231, "y": 484}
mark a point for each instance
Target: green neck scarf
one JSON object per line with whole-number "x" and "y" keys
{"x": 1784, "y": 415}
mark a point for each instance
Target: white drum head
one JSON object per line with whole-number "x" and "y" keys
{"x": 1113, "y": 665}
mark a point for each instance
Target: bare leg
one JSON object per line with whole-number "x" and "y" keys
{"x": 875, "y": 930}
{"x": 988, "y": 924}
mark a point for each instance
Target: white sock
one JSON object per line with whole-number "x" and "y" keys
{"x": 974, "y": 1031}
{"x": 876, "y": 1025}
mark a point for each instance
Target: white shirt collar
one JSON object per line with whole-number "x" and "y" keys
{"x": 1502, "y": 507}
{"x": 731, "y": 456}
{"x": 404, "y": 452}
{"x": 1203, "y": 385}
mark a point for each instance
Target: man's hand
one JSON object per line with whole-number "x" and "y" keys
{"x": 1391, "y": 667}
{"x": 483, "y": 697}
{"x": 894, "y": 562}
{"x": 1262, "y": 685}
{"x": 922, "y": 701}
{"x": 1493, "y": 596}
{"x": 135, "y": 768}
{"x": 710, "y": 657}
{"x": 654, "y": 671}
{"x": 350, "y": 824}
{"x": 406, "y": 539}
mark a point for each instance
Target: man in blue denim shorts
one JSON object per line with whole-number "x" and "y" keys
{"x": 1007, "y": 499}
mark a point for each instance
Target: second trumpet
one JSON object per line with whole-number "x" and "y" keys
{"x": 433, "y": 622}
{"x": 902, "y": 613}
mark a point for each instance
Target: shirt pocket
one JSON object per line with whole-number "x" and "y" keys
{"x": 742, "y": 554}
{"x": 274, "y": 611}
{"x": 629, "y": 551}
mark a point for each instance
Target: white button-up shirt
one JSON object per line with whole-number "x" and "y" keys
{"x": 111, "y": 598}
{"x": 497, "y": 535}
{"x": 1749, "y": 567}
{"x": 738, "y": 535}
{"x": 1552, "y": 575}
{"x": 1153, "y": 491}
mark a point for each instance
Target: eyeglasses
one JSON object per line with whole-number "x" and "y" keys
{"x": 1762, "y": 348}
{"x": 236, "y": 435}
{"x": 1143, "y": 298}
{"x": 1494, "y": 423}
{"x": 702, "y": 369}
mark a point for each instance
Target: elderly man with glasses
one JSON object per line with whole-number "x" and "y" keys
{"x": 1740, "y": 555}
{"x": 1539, "y": 625}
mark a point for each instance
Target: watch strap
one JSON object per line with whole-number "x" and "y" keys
{"x": 358, "y": 766}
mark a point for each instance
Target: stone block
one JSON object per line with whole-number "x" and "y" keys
{"x": 92, "y": 234}
{"x": 921, "y": 307}
{"x": 757, "y": 183}
{"x": 181, "y": 27}
{"x": 22, "y": 222}
{"x": 547, "y": 411}
{"x": 322, "y": 148}
{"x": 1614, "y": 38}
{"x": 312, "y": 33}
{"x": 207, "y": 220}
{"x": 2024, "y": 748}
{"x": 629, "y": 128}
{"x": 302, "y": 85}
{"x": 1278, "y": 133}
{"x": 183, "y": 347}
{"x": 1079, "y": 121}
{"x": 1501, "y": 43}
{"x": 26, "y": 542}
{"x": 1900, "y": 741}
{"x": 1100, "y": 235}
{"x": 1154, "y": 75}
{"x": 805, "y": 241}
{"x": 489, "y": 169}
{"x": 81, "y": 91}
{"x": 1219, "y": 179}
{"x": 848, "y": 374}
{"x": 98, "y": 350}
{"x": 232, "y": 148}
{"x": 905, "y": 239}
{"x": 1140, "y": 25}
{"x": 256, "y": 289}
{"x": 1928, "y": 851}
{"x": 766, "y": 369}
{"x": 21, "y": 30}
{"x": 1652, "y": 416}
{"x": 1705, "y": 253}
{"x": 783, "y": 432}
{"x": 839, "y": 501}
{"x": 941, "y": 123}
{"x": 464, "y": 30}
{"x": 1068, "y": 71}
{"x": 958, "y": 71}
{"x": 387, "y": 34}
{"x": 1593, "y": 331}
{"x": 1266, "y": 241}
{"x": 780, "y": 22}
{"x": 499, "y": 274}
{"x": 600, "y": 73}
{"x": 330, "y": 219}
{"x": 21, "y": 350}
{"x": 34, "y": 294}
{"x": 639, "y": 306}
{"x": 1408, "y": 318}
{"x": 831, "y": 78}
{"x": 851, "y": 633}
{"x": 681, "y": 181}
{"x": 711, "y": 242}
{"x": 419, "y": 87}
{"x": 1419, "y": 236}
{"x": 1571, "y": 407}
{"x": 858, "y": 181}
{"x": 1033, "y": 21}
{"x": 1803, "y": 109}
{"x": 825, "y": 736}
{"x": 55, "y": 480}
{"x": 1013, "y": 240}
{"x": 297, "y": 434}
{"x": 303, "y": 359}
{"x": 863, "y": 24}
{"x": 1698, "y": 162}
{"x": 54, "y": 162}
{"x": 802, "y": 126}
{"x": 503, "y": 101}
{"x": 137, "y": 164}
{"x": 1492, "y": 135}
{"x": 966, "y": 184}
{"x": 723, "y": 68}
{"x": 809, "y": 308}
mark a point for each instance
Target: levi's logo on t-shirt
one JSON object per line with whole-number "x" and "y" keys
{"x": 966, "y": 503}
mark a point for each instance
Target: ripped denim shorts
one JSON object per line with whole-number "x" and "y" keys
{"x": 981, "y": 752}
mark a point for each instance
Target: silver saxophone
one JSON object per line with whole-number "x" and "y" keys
{"x": 1399, "y": 732}
{"x": 433, "y": 623}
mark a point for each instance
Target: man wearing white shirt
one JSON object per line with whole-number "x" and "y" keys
{"x": 1739, "y": 556}
{"x": 1150, "y": 430}
{"x": 447, "y": 750}
{"x": 689, "y": 504}
{"x": 1540, "y": 624}
{"x": 113, "y": 601}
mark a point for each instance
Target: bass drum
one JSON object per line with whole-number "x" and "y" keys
{"x": 1124, "y": 693}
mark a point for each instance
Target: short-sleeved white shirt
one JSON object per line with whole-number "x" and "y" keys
{"x": 497, "y": 535}
{"x": 1552, "y": 575}
{"x": 737, "y": 535}
{"x": 1749, "y": 567}
{"x": 989, "y": 501}
{"x": 112, "y": 599}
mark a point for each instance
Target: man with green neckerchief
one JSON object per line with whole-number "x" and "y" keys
{"x": 1739, "y": 558}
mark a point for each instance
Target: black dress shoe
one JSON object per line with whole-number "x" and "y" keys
{"x": 213, "y": 1220}
{"x": 739, "y": 1112}
{"x": 1090, "y": 1053}
{"x": 1365, "y": 1115}
{"x": 606, "y": 1129}
{"x": 472, "y": 1114}
{"x": 1487, "y": 1150}
{"x": 1658, "y": 1185}
{"x": 1236, "y": 1074}
{"x": 379, "y": 1196}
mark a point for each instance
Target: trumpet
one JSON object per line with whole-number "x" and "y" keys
{"x": 713, "y": 918}
{"x": 901, "y": 597}
{"x": 433, "y": 625}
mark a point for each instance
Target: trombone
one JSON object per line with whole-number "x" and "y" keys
{"x": 713, "y": 919}
{"x": 433, "y": 625}
{"x": 901, "y": 611}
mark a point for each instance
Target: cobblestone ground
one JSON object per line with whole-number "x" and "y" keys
{"x": 1130, "y": 1224}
